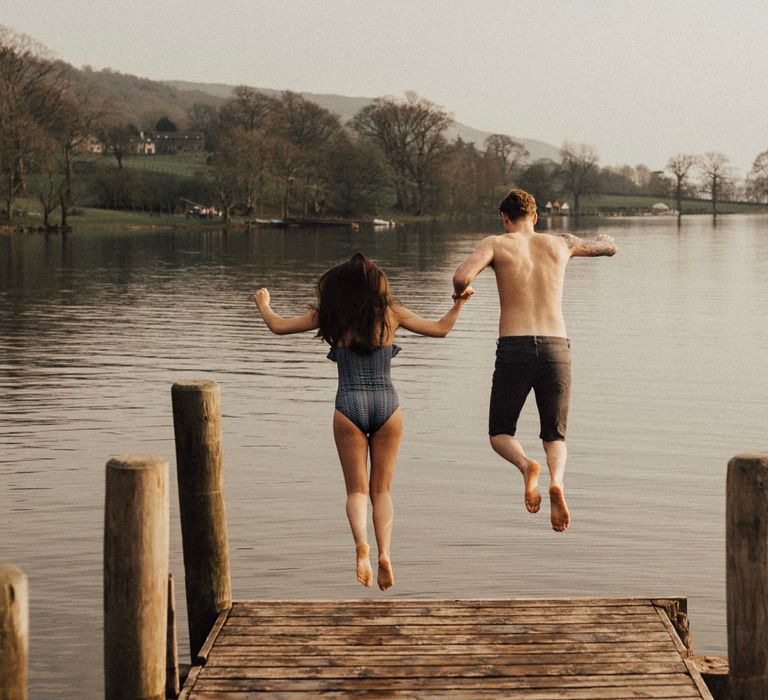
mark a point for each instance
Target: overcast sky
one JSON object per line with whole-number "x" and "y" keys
{"x": 639, "y": 81}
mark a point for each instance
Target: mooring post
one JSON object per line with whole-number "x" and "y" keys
{"x": 172, "y": 656}
{"x": 136, "y": 524}
{"x": 199, "y": 469}
{"x": 14, "y": 632}
{"x": 746, "y": 533}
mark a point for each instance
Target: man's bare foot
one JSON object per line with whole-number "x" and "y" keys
{"x": 386, "y": 578}
{"x": 532, "y": 493}
{"x": 558, "y": 509}
{"x": 363, "y": 568}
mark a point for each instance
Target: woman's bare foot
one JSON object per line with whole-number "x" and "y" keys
{"x": 559, "y": 514}
{"x": 386, "y": 578}
{"x": 532, "y": 493}
{"x": 363, "y": 569}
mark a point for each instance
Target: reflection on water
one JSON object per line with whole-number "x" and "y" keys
{"x": 668, "y": 385}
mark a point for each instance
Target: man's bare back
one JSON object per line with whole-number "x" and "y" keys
{"x": 533, "y": 350}
{"x": 530, "y": 275}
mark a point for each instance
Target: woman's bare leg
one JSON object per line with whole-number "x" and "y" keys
{"x": 352, "y": 446}
{"x": 385, "y": 443}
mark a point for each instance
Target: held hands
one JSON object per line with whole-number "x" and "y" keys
{"x": 463, "y": 298}
{"x": 261, "y": 298}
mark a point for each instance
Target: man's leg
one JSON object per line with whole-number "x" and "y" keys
{"x": 510, "y": 449}
{"x": 552, "y": 388}
{"x": 512, "y": 381}
{"x": 557, "y": 454}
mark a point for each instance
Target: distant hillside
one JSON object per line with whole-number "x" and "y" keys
{"x": 347, "y": 107}
{"x": 141, "y": 101}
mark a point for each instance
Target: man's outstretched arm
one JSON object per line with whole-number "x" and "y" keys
{"x": 581, "y": 247}
{"x": 473, "y": 266}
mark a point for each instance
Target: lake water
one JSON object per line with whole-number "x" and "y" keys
{"x": 670, "y": 381}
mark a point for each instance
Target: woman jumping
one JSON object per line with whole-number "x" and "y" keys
{"x": 356, "y": 315}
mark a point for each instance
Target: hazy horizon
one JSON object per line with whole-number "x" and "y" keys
{"x": 638, "y": 81}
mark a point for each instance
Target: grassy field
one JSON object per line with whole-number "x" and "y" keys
{"x": 90, "y": 218}
{"x": 186, "y": 165}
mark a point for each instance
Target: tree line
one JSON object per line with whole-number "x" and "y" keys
{"x": 270, "y": 154}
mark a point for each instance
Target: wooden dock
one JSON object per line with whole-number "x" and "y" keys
{"x": 554, "y": 649}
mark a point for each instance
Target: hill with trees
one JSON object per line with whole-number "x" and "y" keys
{"x": 74, "y": 138}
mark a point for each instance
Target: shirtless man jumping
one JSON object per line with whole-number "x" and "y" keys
{"x": 533, "y": 350}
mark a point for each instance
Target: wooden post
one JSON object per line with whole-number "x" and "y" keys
{"x": 199, "y": 469}
{"x": 14, "y": 633}
{"x": 172, "y": 656}
{"x": 746, "y": 533}
{"x": 136, "y": 527}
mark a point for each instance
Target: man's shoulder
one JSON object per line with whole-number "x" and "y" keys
{"x": 554, "y": 237}
{"x": 490, "y": 239}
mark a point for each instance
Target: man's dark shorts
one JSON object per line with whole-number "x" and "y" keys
{"x": 525, "y": 362}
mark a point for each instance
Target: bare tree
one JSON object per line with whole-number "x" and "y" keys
{"x": 118, "y": 139}
{"x": 359, "y": 177}
{"x": 29, "y": 98}
{"x": 49, "y": 169}
{"x": 680, "y": 166}
{"x": 248, "y": 109}
{"x": 508, "y": 156}
{"x": 226, "y": 167}
{"x": 757, "y": 181}
{"x": 715, "y": 171}
{"x": 303, "y": 132}
{"x": 205, "y": 119}
{"x": 411, "y": 135}
{"x": 75, "y": 122}
{"x": 578, "y": 169}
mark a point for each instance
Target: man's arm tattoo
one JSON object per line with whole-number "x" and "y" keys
{"x": 589, "y": 248}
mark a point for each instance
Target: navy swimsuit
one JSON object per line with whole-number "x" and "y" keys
{"x": 366, "y": 394}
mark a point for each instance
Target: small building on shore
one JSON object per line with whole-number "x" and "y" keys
{"x": 90, "y": 144}
{"x": 173, "y": 142}
{"x": 144, "y": 145}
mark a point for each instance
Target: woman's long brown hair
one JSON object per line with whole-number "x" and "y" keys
{"x": 352, "y": 298}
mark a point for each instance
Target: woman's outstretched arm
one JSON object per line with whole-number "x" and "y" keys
{"x": 436, "y": 329}
{"x": 279, "y": 325}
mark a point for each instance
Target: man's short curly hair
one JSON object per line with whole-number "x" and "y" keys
{"x": 518, "y": 204}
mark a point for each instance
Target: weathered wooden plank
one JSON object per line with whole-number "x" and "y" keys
{"x": 618, "y": 694}
{"x": 681, "y": 648}
{"x": 313, "y": 607}
{"x": 592, "y": 612}
{"x": 498, "y": 684}
{"x": 457, "y": 694}
{"x": 564, "y": 616}
{"x": 189, "y": 683}
{"x": 369, "y": 638}
{"x": 698, "y": 681}
{"x": 427, "y": 630}
{"x": 344, "y": 659}
{"x": 495, "y": 670}
{"x": 405, "y": 651}
{"x": 202, "y": 656}
{"x": 433, "y": 604}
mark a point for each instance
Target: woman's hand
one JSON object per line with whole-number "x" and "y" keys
{"x": 261, "y": 298}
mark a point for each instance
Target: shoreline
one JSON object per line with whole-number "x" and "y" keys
{"x": 173, "y": 223}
